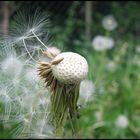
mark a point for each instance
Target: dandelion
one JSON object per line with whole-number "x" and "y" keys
{"x": 122, "y": 122}
{"x": 101, "y": 43}
{"x": 109, "y": 22}
{"x": 63, "y": 75}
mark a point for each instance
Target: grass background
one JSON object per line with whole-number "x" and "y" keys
{"x": 116, "y": 91}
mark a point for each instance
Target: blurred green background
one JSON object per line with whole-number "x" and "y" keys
{"x": 115, "y": 72}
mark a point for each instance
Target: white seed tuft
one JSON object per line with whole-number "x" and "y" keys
{"x": 31, "y": 75}
{"x": 11, "y": 65}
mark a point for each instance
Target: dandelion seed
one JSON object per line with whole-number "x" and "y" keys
{"x": 109, "y": 22}
{"x": 27, "y": 30}
{"x": 43, "y": 101}
{"x": 25, "y": 24}
{"x": 31, "y": 75}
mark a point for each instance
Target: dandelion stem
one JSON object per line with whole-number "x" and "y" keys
{"x": 39, "y": 40}
{"x": 72, "y": 127}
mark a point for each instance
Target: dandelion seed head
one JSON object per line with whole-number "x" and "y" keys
{"x": 73, "y": 68}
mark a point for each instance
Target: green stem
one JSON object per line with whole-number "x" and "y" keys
{"x": 58, "y": 132}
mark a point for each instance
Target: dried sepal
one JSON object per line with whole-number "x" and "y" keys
{"x": 50, "y": 81}
{"x": 53, "y": 85}
{"x": 44, "y": 63}
{"x": 45, "y": 72}
{"x": 57, "y": 61}
{"x": 44, "y": 67}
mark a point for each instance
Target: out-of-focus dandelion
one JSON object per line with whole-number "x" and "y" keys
{"x": 109, "y": 22}
{"x": 101, "y": 43}
{"x": 87, "y": 89}
{"x": 137, "y": 49}
{"x": 122, "y": 122}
